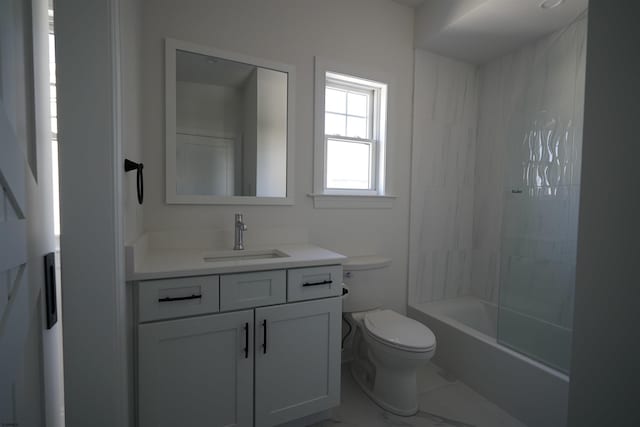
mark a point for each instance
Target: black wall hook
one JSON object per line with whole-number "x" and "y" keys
{"x": 129, "y": 166}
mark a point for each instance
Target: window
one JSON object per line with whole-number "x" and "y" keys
{"x": 54, "y": 126}
{"x": 350, "y": 137}
{"x": 353, "y": 135}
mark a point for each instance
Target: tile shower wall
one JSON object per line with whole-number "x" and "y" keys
{"x": 468, "y": 154}
{"x": 442, "y": 190}
{"x": 529, "y": 140}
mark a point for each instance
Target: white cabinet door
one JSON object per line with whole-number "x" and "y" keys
{"x": 297, "y": 360}
{"x": 196, "y": 372}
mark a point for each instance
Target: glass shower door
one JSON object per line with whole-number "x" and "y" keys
{"x": 539, "y": 226}
{"x": 542, "y": 187}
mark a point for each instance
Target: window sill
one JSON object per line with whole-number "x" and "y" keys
{"x": 352, "y": 201}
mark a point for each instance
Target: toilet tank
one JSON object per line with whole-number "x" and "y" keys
{"x": 364, "y": 279}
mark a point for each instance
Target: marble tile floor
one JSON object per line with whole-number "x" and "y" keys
{"x": 444, "y": 402}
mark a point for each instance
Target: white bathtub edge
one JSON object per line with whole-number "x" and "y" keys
{"x": 498, "y": 373}
{"x": 475, "y": 334}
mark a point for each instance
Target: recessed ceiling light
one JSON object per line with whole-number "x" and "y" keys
{"x": 550, "y": 4}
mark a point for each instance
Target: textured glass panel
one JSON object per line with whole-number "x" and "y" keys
{"x": 334, "y": 124}
{"x": 540, "y": 212}
{"x": 348, "y": 165}
{"x": 357, "y": 127}
{"x": 357, "y": 104}
{"x": 335, "y": 101}
{"x": 538, "y": 263}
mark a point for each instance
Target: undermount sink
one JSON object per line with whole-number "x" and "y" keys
{"x": 244, "y": 255}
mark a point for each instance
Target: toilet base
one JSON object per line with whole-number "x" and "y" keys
{"x": 387, "y": 374}
{"x": 363, "y": 383}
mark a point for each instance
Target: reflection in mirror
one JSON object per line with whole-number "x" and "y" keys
{"x": 231, "y": 128}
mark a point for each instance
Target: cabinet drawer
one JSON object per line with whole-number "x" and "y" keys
{"x": 247, "y": 290}
{"x": 164, "y": 299}
{"x": 315, "y": 282}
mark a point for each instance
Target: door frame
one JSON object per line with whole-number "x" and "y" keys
{"x": 96, "y": 344}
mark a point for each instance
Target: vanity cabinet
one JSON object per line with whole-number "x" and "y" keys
{"x": 244, "y": 363}
{"x": 297, "y": 361}
{"x": 196, "y": 372}
{"x": 243, "y": 290}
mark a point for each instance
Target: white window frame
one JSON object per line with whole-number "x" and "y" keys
{"x": 352, "y": 78}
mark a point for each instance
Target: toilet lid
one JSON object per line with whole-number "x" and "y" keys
{"x": 399, "y": 331}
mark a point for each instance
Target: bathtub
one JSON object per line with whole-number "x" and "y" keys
{"x": 465, "y": 330}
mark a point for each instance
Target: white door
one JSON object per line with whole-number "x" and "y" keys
{"x": 26, "y": 219}
{"x": 297, "y": 360}
{"x": 196, "y": 372}
{"x": 204, "y": 165}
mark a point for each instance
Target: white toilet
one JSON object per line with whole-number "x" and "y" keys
{"x": 388, "y": 347}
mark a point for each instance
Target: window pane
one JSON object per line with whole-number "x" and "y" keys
{"x": 357, "y": 127}
{"x": 348, "y": 165}
{"x": 335, "y": 101}
{"x": 357, "y": 104}
{"x": 334, "y": 124}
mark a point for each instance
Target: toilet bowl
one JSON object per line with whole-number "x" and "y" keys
{"x": 388, "y": 347}
{"x": 388, "y": 350}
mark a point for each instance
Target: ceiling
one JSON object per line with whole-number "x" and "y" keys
{"x": 411, "y": 3}
{"x": 196, "y": 68}
{"x": 477, "y": 31}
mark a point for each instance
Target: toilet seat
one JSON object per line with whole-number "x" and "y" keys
{"x": 396, "y": 330}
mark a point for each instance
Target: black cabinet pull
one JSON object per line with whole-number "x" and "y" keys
{"x": 169, "y": 299}
{"x": 246, "y": 340}
{"x": 324, "y": 282}
{"x": 264, "y": 337}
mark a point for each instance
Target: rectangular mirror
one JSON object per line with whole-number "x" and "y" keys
{"x": 228, "y": 127}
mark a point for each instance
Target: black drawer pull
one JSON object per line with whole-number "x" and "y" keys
{"x": 169, "y": 299}
{"x": 264, "y": 337}
{"x": 246, "y": 340}
{"x": 324, "y": 282}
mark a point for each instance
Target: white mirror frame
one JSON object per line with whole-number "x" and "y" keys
{"x": 171, "y": 45}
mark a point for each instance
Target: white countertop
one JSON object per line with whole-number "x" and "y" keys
{"x": 146, "y": 263}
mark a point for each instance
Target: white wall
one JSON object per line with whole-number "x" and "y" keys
{"x": 129, "y": 20}
{"x": 208, "y": 110}
{"x": 370, "y": 33}
{"x": 91, "y": 164}
{"x": 208, "y": 107}
{"x": 250, "y": 134}
{"x": 131, "y": 113}
{"x": 606, "y": 349}
{"x": 272, "y": 134}
{"x": 444, "y": 139}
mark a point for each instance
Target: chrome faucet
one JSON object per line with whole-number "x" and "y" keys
{"x": 241, "y": 227}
